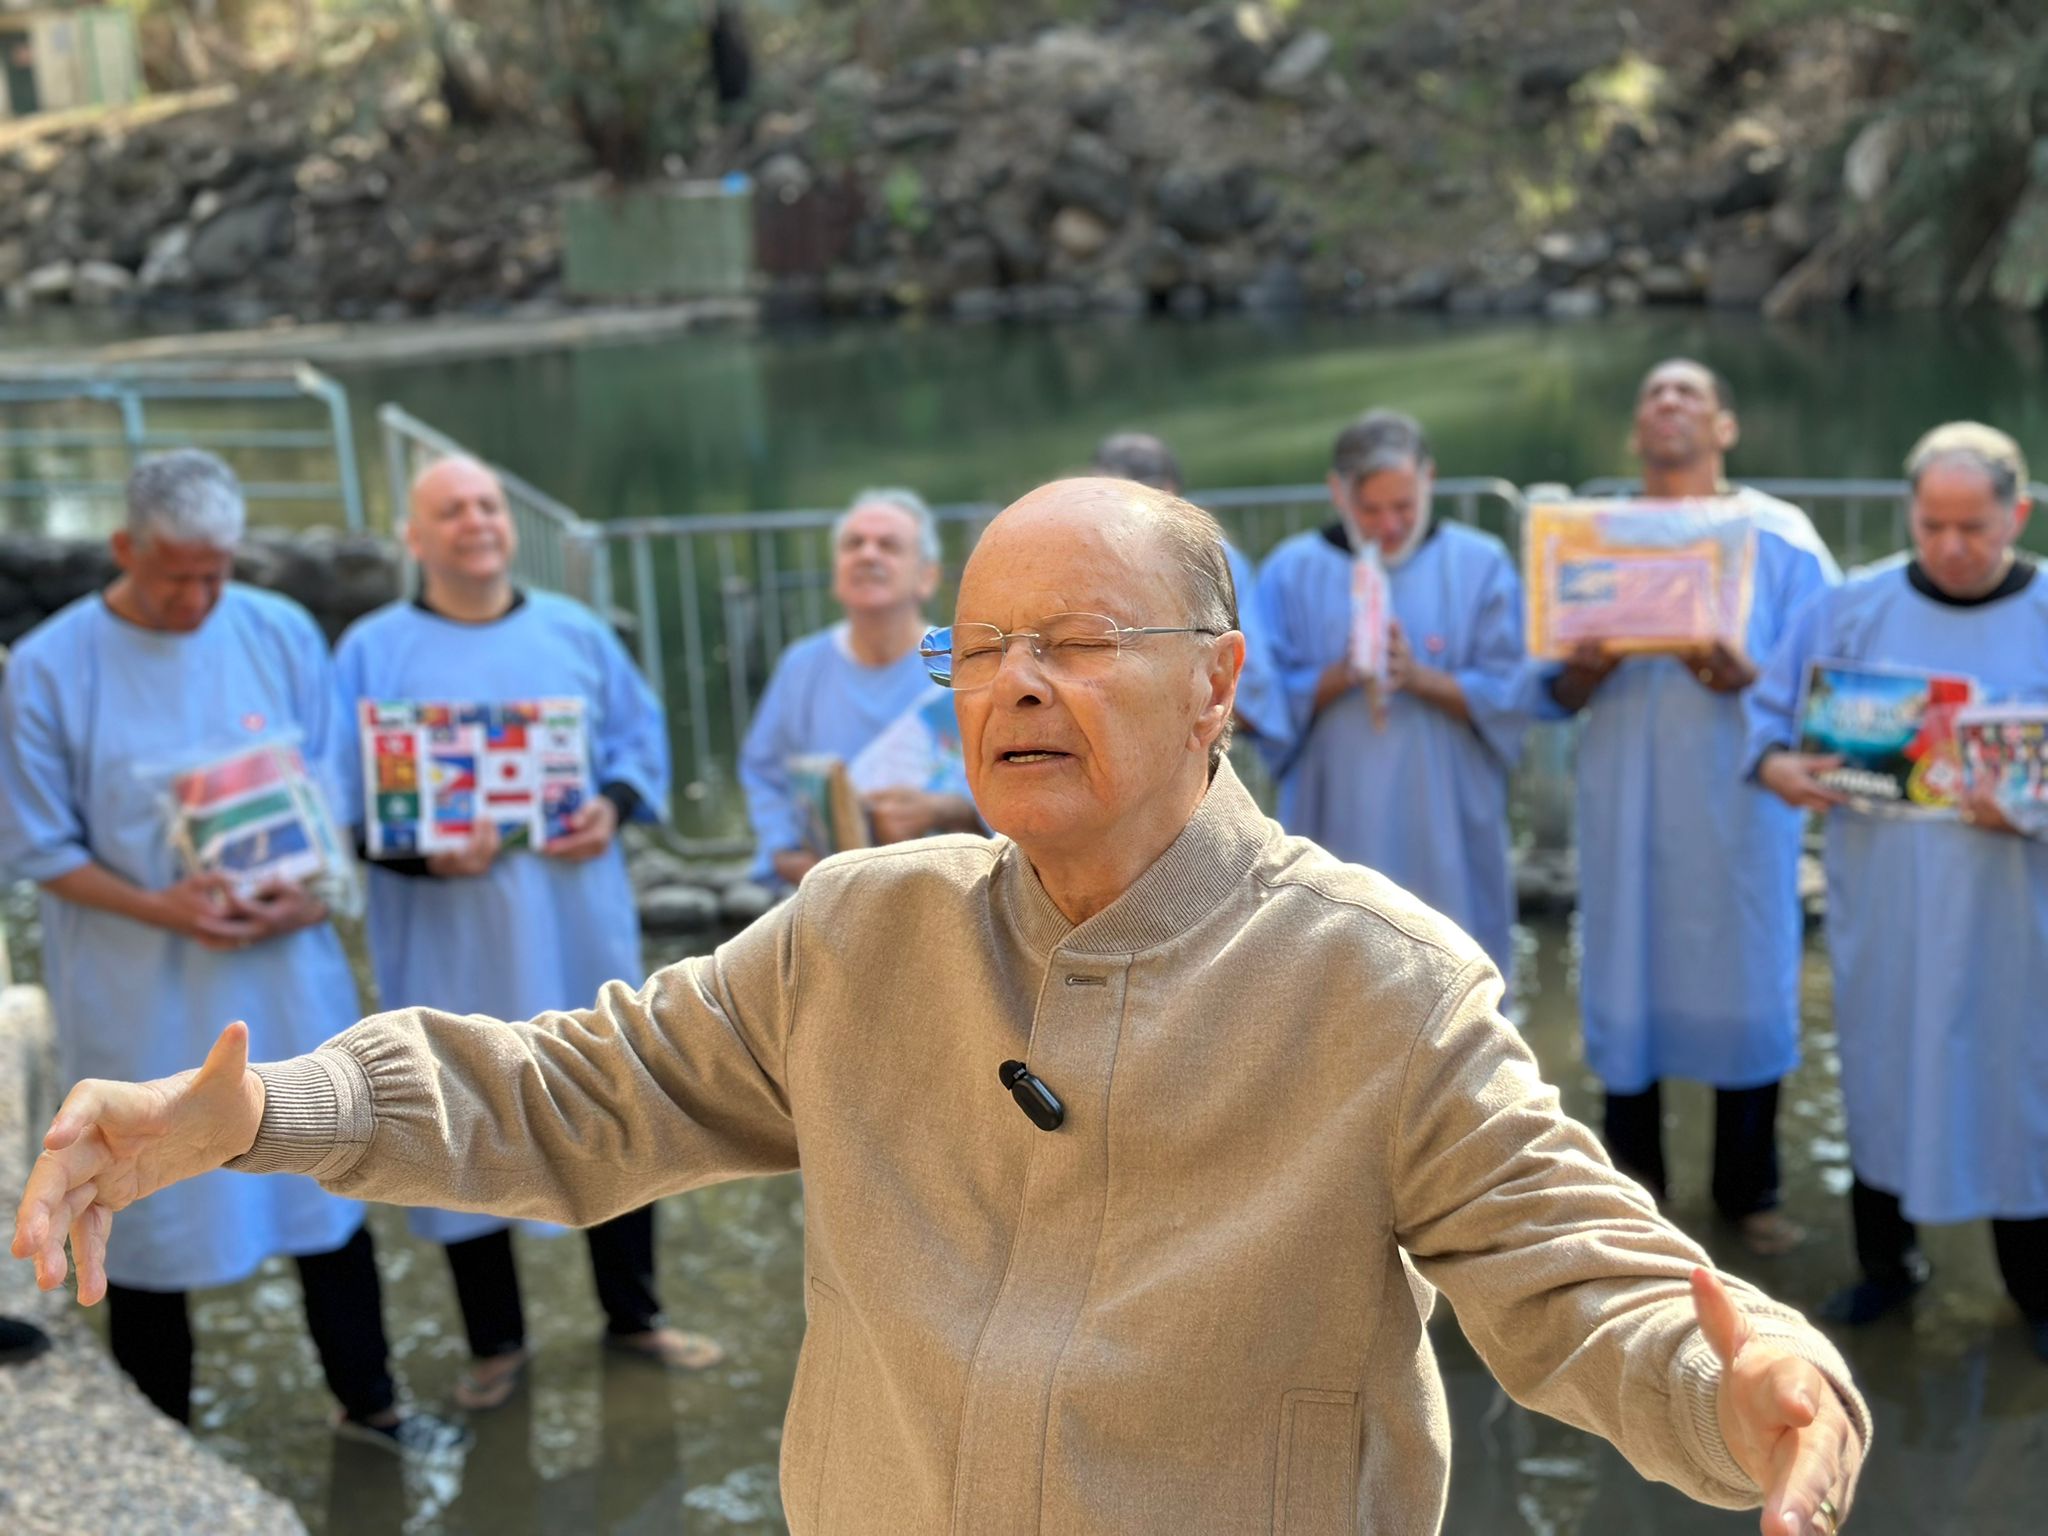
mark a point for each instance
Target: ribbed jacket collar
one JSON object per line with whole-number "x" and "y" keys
{"x": 1199, "y": 871}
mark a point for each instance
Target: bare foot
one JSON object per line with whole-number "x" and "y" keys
{"x": 490, "y": 1382}
{"x": 670, "y": 1347}
{"x": 1770, "y": 1234}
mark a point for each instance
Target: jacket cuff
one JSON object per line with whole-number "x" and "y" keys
{"x": 317, "y": 1117}
{"x": 1695, "y": 1414}
{"x": 1696, "y": 1386}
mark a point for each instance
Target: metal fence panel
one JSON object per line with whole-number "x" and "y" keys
{"x": 715, "y": 599}
{"x": 69, "y": 439}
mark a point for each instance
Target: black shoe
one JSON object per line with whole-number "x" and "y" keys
{"x": 20, "y": 1342}
{"x": 1868, "y": 1300}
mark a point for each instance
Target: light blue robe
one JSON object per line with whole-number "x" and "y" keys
{"x": 534, "y": 933}
{"x": 1260, "y": 702}
{"x": 1689, "y": 915}
{"x": 1423, "y": 800}
{"x": 1937, "y": 931}
{"x": 96, "y": 714}
{"x": 821, "y": 700}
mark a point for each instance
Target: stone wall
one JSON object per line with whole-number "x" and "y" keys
{"x": 337, "y": 577}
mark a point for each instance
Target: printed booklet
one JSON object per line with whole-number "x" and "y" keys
{"x": 1894, "y": 728}
{"x": 2005, "y": 747}
{"x": 1637, "y": 576}
{"x": 431, "y": 769}
{"x": 258, "y": 818}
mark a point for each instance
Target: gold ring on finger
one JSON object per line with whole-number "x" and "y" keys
{"x": 1828, "y": 1512}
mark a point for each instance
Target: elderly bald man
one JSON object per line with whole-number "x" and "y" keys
{"x": 509, "y": 932}
{"x": 1267, "y": 1103}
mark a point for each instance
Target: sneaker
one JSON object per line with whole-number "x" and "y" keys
{"x": 418, "y": 1434}
{"x": 1869, "y": 1300}
{"x": 20, "y": 1342}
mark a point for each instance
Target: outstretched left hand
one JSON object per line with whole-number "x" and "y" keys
{"x": 1781, "y": 1420}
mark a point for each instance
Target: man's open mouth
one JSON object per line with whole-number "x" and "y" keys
{"x": 1032, "y": 755}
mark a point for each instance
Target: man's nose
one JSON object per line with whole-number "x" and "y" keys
{"x": 1020, "y": 678}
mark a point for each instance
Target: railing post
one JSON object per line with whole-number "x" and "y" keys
{"x": 397, "y": 462}
{"x": 341, "y": 424}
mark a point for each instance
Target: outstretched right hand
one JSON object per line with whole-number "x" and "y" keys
{"x": 113, "y": 1143}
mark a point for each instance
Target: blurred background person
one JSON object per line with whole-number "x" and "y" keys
{"x": 834, "y": 692}
{"x": 509, "y": 932}
{"x": 1690, "y": 922}
{"x": 171, "y": 667}
{"x": 1420, "y": 795}
{"x": 1937, "y": 929}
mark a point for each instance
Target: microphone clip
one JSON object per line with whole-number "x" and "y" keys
{"x": 1039, "y": 1103}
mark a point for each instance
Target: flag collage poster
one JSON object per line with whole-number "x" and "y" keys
{"x": 256, "y": 817}
{"x": 432, "y": 770}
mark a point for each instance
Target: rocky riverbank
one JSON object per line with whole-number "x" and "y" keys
{"x": 1475, "y": 156}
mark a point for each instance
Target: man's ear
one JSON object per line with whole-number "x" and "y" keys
{"x": 1727, "y": 431}
{"x": 1226, "y": 666}
{"x": 123, "y": 546}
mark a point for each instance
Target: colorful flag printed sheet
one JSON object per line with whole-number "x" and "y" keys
{"x": 256, "y": 817}
{"x": 432, "y": 770}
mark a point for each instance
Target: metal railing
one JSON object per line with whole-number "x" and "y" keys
{"x": 69, "y": 439}
{"x": 709, "y": 602}
{"x": 714, "y": 599}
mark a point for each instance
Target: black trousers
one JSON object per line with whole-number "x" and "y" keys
{"x": 1885, "y": 1241}
{"x": 1745, "y": 1145}
{"x": 487, "y": 1283}
{"x": 151, "y": 1333}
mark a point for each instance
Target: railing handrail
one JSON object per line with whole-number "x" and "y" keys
{"x": 1791, "y": 487}
{"x": 705, "y": 524}
{"x": 398, "y": 419}
{"x": 129, "y": 389}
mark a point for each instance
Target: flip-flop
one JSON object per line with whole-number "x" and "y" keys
{"x": 669, "y": 1347}
{"x": 476, "y": 1392}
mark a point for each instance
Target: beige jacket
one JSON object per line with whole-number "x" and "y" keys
{"x": 1198, "y": 1306}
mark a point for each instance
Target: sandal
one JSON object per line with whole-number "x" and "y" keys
{"x": 1770, "y": 1234}
{"x": 670, "y": 1348}
{"x": 489, "y": 1383}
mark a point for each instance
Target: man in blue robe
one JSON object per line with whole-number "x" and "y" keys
{"x": 1937, "y": 929}
{"x": 834, "y": 692}
{"x": 174, "y": 666}
{"x": 504, "y": 932}
{"x": 1690, "y": 921}
{"x": 1261, "y": 711}
{"x": 1414, "y": 785}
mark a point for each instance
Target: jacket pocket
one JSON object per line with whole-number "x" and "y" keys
{"x": 813, "y": 1409}
{"x": 1315, "y": 1475}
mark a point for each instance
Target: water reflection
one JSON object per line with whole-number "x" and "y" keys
{"x": 599, "y": 1443}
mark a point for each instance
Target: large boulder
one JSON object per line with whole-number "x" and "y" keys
{"x": 1297, "y": 66}
{"x": 1093, "y": 174}
{"x": 99, "y": 283}
{"x": 237, "y": 240}
{"x": 1079, "y": 234}
{"x": 1197, "y": 205}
